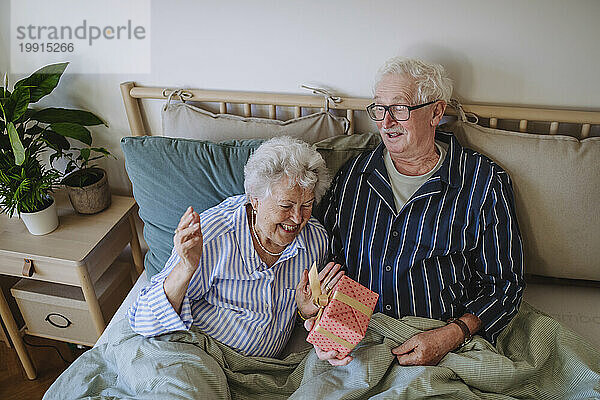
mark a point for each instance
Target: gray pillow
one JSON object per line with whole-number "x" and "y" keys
{"x": 184, "y": 120}
{"x": 170, "y": 174}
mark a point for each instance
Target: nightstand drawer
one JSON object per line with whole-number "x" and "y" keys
{"x": 44, "y": 269}
{"x": 60, "y": 312}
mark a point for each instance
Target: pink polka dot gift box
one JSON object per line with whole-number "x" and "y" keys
{"x": 344, "y": 315}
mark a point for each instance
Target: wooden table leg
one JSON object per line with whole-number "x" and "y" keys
{"x": 132, "y": 272}
{"x": 15, "y": 336}
{"x": 91, "y": 299}
{"x": 3, "y": 336}
{"x": 136, "y": 250}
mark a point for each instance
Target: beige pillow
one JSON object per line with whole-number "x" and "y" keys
{"x": 556, "y": 181}
{"x": 184, "y": 120}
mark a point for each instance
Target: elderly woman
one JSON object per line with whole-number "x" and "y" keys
{"x": 241, "y": 277}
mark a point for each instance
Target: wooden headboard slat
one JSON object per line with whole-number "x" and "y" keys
{"x": 534, "y": 114}
{"x": 289, "y": 100}
{"x": 132, "y": 93}
{"x": 247, "y": 110}
{"x": 585, "y": 130}
{"x": 523, "y": 125}
{"x": 350, "y": 116}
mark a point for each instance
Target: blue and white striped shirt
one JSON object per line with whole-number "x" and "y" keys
{"x": 234, "y": 297}
{"x": 454, "y": 247}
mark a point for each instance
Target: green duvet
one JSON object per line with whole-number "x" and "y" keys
{"x": 535, "y": 358}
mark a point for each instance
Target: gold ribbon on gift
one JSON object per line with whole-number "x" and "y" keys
{"x": 335, "y": 338}
{"x": 321, "y": 300}
{"x": 357, "y": 305}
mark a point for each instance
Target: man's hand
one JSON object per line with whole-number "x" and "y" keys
{"x": 328, "y": 356}
{"x": 429, "y": 347}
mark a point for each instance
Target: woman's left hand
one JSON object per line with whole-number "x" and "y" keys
{"x": 328, "y": 277}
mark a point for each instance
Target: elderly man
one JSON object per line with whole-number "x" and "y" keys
{"x": 424, "y": 222}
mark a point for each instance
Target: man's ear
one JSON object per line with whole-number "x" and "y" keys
{"x": 438, "y": 112}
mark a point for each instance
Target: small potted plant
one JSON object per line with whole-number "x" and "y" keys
{"x": 25, "y": 134}
{"x": 25, "y": 190}
{"x": 86, "y": 183}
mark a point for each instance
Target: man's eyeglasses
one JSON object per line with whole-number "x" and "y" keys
{"x": 398, "y": 112}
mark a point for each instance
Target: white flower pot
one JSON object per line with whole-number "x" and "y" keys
{"x": 41, "y": 222}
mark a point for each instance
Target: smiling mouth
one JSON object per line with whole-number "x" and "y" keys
{"x": 392, "y": 133}
{"x": 289, "y": 228}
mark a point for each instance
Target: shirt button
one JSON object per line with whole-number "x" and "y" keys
{"x": 395, "y": 233}
{"x": 388, "y": 268}
{"x": 388, "y": 307}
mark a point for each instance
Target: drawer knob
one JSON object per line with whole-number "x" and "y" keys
{"x": 28, "y": 268}
{"x": 64, "y": 325}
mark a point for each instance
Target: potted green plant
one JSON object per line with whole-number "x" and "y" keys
{"x": 86, "y": 183}
{"x": 26, "y": 133}
{"x": 25, "y": 189}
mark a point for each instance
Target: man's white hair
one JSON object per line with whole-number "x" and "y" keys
{"x": 431, "y": 80}
{"x": 285, "y": 157}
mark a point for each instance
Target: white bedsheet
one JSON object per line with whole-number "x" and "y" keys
{"x": 558, "y": 301}
{"x": 122, "y": 310}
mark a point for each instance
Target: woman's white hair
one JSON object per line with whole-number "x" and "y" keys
{"x": 285, "y": 157}
{"x": 431, "y": 80}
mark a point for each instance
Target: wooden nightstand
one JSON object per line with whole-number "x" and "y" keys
{"x": 77, "y": 253}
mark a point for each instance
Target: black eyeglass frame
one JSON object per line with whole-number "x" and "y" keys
{"x": 387, "y": 110}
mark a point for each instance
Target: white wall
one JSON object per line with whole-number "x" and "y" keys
{"x": 536, "y": 52}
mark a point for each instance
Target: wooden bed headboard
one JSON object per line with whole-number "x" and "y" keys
{"x": 491, "y": 113}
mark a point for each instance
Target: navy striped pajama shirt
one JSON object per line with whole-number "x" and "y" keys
{"x": 454, "y": 247}
{"x": 234, "y": 297}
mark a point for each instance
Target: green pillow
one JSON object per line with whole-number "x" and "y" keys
{"x": 170, "y": 174}
{"x": 337, "y": 150}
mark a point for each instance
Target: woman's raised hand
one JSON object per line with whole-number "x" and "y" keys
{"x": 188, "y": 239}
